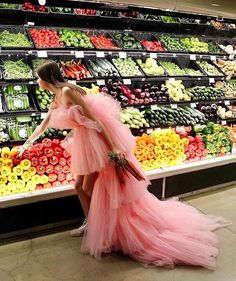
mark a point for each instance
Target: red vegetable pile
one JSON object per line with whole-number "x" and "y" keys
{"x": 75, "y": 70}
{"x": 45, "y": 38}
{"x": 88, "y": 12}
{"x": 153, "y": 45}
{"x": 27, "y": 6}
{"x": 102, "y": 41}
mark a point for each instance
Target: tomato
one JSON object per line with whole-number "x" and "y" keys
{"x": 49, "y": 169}
{"x": 40, "y": 169}
{"x": 43, "y": 160}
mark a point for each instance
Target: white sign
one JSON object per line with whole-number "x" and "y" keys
{"x": 100, "y": 82}
{"x": 193, "y": 104}
{"x": 42, "y": 54}
{"x": 227, "y": 102}
{"x": 154, "y": 107}
{"x": 122, "y": 55}
{"x": 212, "y": 80}
{"x": 192, "y": 57}
{"x": 174, "y": 105}
{"x": 100, "y": 54}
{"x": 149, "y": 131}
{"x": 79, "y": 54}
{"x": 153, "y": 55}
{"x": 127, "y": 81}
{"x": 171, "y": 79}
{"x": 213, "y": 58}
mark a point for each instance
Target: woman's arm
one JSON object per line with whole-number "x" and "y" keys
{"x": 37, "y": 132}
{"x": 71, "y": 98}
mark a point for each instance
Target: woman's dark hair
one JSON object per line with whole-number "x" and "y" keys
{"x": 50, "y": 72}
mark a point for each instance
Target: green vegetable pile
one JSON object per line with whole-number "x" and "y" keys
{"x": 16, "y": 70}
{"x": 169, "y": 19}
{"x": 210, "y": 69}
{"x": 44, "y": 98}
{"x": 203, "y": 93}
{"x": 62, "y": 10}
{"x": 127, "y": 67}
{"x": 37, "y": 63}
{"x": 194, "y": 45}
{"x": 10, "y": 39}
{"x": 78, "y": 39}
{"x": 213, "y": 48}
{"x": 8, "y": 6}
{"x": 192, "y": 72}
{"x": 172, "y": 68}
{"x": 127, "y": 41}
{"x": 172, "y": 43}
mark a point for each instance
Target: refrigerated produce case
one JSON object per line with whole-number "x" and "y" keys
{"x": 152, "y": 66}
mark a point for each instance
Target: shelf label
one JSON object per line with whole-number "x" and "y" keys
{"x": 31, "y": 82}
{"x": 42, "y": 54}
{"x": 72, "y": 52}
{"x": 171, "y": 79}
{"x": 122, "y": 55}
{"x": 30, "y": 23}
{"x": 192, "y": 57}
{"x": 227, "y": 102}
{"x": 127, "y": 81}
{"x": 100, "y": 54}
{"x": 100, "y": 82}
{"x": 79, "y": 54}
{"x": 43, "y": 114}
{"x": 199, "y": 78}
{"x": 72, "y": 82}
{"x": 143, "y": 79}
{"x": 153, "y": 55}
{"x": 193, "y": 104}
{"x": 174, "y": 105}
{"x": 223, "y": 122}
{"x": 154, "y": 107}
{"x": 212, "y": 80}
{"x": 33, "y": 114}
{"x": 213, "y": 58}
{"x": 149, "y": 131}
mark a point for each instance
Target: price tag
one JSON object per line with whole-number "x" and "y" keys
{"x": 174, "y": 105}
{"x": 200, "y": 56}
{"x": 30, "y": 23}
{"x": 79, "y": 54}
{"x": 212, "y": 80}
{"x": 31, "y": 82}
{"x": 30, "y": 52}
{"x": 149, "y": 131}
{"x": 174, "y": 55}
{"x": 43, "y": 115}
{"x": 223, "y": 122}
{"x": 127, "y": 81}
{"x": 42, "y": 54}
{"x": 227, "y": 102}
{"x": 100, "y": 82}
{"x": 171, "y": 79}
{"x": 153, "y": 55}
{"x": 110, "y": 53}
{"x": 193, "y": 104}
{"x": 199, "y": 78}
{"x": 143, "y": 79}
{"x": 122, "y": 55}
{"x": 72, "y": 81}
{"x": 72, "y": 52}
{"x": 100, "y": 54}
{"x": 192, "y": 57}
{"x": 33, "y": 114}
{"x": 154, "y": 107}
{"x": 213, "y": 58}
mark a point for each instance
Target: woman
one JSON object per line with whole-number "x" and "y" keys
{"x": 119, "y": 216}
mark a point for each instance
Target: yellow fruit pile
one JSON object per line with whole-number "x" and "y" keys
{"x": 162, "y": 148}
{"x": 21, "y": 178}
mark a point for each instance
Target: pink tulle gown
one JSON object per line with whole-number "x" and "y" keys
{"x": 130, "y": 219}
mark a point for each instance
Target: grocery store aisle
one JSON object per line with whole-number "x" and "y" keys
{"x": 57, "y": 257}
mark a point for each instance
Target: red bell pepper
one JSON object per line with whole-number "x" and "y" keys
{"x": 49, "y": 169}
{"x": 61, "y": 177}
{"x": 48, "y": 151}
{"x": 34, "y": 161}
{"x": 66, "y": 154}
{"x": 40, "y": 169}
{"x": 53, "y": 160}
{"x": 43, "y": 160}
{"x": 66, "y": 169}
{"x": 52, "y": 177}
{"x": 58, "y": 151}
{"x": 62, "y": 161}
{"x": 46, "y": 142}
{"x": 58, "y": 169}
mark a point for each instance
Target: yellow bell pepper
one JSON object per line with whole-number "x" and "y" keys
{"x": 36, "y": 179}
{"x": 18, "y": 170}
{"x": 3, "y": 180}
{"x": 25, "y": 164}
{"x": 8, "y": 163}
{"x": 20, "y": 184}
{"x": 5, "y": 171}
{"x": 14, "y": 151}
{"x": 43, "y": 179}
{"x": 2, "y": 162}
{"x": 32, "y": 171}
{"x": 30, "y": 185}
{"x": 26, "y": 176}
{"x": 12, "y": 177}
{"x": 5, "y": 153}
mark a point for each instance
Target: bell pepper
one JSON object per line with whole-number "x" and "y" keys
{"x": 32, "y": 171}
{"x": 37, "y": 149}
{"x": 30, "y": 186}
{"x": 53, "y": 160}
{"x": 5, "y": 153}
{"x": 20, "y": 184}
{"x": 14, "y": 151}
{"x": 48, "y": 152}
{"x": 58, "y": 169}
{"x": 66, "y": 169}
{"x": 66, "y": 154}
{"x": 2, "y": 162}
{"x": 43, "y": 160}
{"x": 56, "y": 183}
{"x": 9, "y": 163}
{"x": 43, "y": 179}
{"x": 46, "y": 142}
{"x": 69, "y": 177}
{"x": 62, "y": 161}
{"x": 27, "y": 154}
{"x": 61, "y": 177}
{"x": 34, "y": 162}
{"x": 40, "y": 169}
{"x": 49, "y": 169}
{"x": 18, "y": 170}
{"x": 12, "y": 177}
{"x": 68, "y": 161}
{"x": 5, "y": 171}
{"x": 36, "y": 179}
{"x": 26, "y": 176}
{"x": 47, "y": 185}
{"x": 72, "y": 182}
{"x": 55, "y": 143}
{"x": 3, "y": 180}
{"x": 65, "y": 182}
{"x": 25, "y": 164}
{"x": 58, "y": 151}
{"x": 52, "y": 177}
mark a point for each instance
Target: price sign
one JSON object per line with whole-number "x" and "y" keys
{"x": 223, "y": 122}
{"x": 227, "y": 102}
{"x": 193, "y": 104}
{"x": 212, "y": 80}
{"x": 149, "y": 131}
{"x": 79, "y": 54}
{"x": 100, "y": 54}
{"x": 31, "y": 82}
{"x": 127, "y": 81}
{"x": 153, "y": 55}
{"x": 171, "y": 79}
{"x": 122, "y": 55}
{"x": 154, "y": 107}
{"x": 192, "y": 57}
{"x": 100, "y": 82}
{"x": 42, "y": 54}
{"x": 213, "y": 58}
{"x": 174, "y": 105}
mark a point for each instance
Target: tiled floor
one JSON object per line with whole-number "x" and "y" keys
{"x": 58, "y": 258}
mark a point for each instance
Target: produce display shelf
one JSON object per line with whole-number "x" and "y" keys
{"x": 68, "y": 190}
